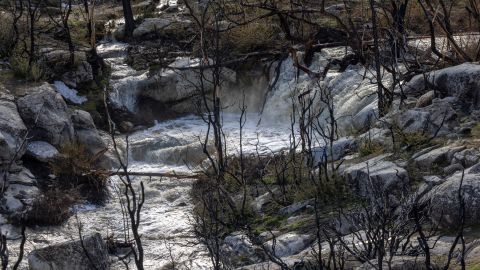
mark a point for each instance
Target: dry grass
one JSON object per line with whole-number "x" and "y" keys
{"x": 75, "y": 172}
{"x": 253, "y": 36}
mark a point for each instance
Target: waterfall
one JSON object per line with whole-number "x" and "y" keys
{"x": 125, "y": 81}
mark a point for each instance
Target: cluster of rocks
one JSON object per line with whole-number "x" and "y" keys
{"x": 36, "y": 126}
{"x": 441, "y": 104}
{"x": 56, "y": 65}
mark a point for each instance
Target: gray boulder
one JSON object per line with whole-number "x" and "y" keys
{"x": 20, "y": 193}
{"x": 460, "y": 81}
{"x": 158, "y": 27}
{"x": 239, "y": 250}
{"x": 86, "y": 134}
{"x": 376, "y": 173}
{"x": 151, "y": 26}
{"x": 180, "y": 82}
{"x": 71, "y": 255}
{"x": 467, "y": 157}
{"x": 46, "y": 115}
{"x": 439, "y": 118}
{"x": 82, "y": 73}
{"x": 339, "y": 149}
{"x": 366, "y": 117}
{"x": 289, "y": 244}
{"x": 56, "y": 61}
{"x": 377, "y": 136}
{"x": 41, "y": 151}
{"x": 444, "y": 199}
{"x": 442, "y": 156}
{"x": 12, "y": 129}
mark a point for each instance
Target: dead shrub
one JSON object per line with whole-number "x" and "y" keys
{"x": 74, "y": 172}
{"x": 52, "y": 208}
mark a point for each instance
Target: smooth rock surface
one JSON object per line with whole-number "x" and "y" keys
{"x": 460, "y": 81}
{"x": 86, "y": 134}
{"x": 444, "y": 199}
{"x": 41, "y": 151}
{"x": 382, "y": 174}
{"x": 46, "y": 115}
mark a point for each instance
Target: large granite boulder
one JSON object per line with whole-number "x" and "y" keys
{"x": 239, "y": 250}
{"x": 73, "y": 255}
{"x": 439, "y": 118}
{"x": 445, "y": 202}
{"x": 441, "y": 157}
{"x": 151, "y": 28}
{"x": 12, "y": 129}
{"x": 180, "y": 82}
{"x": 46, "y": 115}
{"x": 56, "y": 63}
{"x": 289, "y": 244}
{"x": 376, "y": 173}
{"x": 460, "y": 81}
{"x": 339, "y": 149}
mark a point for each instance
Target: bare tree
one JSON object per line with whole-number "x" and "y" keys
{"x": 134, "y": 198}
{"x": 128, "y": 16}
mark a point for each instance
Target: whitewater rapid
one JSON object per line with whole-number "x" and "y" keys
{"x": 175, "y": 146}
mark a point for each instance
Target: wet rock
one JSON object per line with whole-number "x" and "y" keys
{"x": 86, "y": 133}
{"x": 46, "y": 115}
{"x": 12, "y": 129}
{"x": 126, "y": 126}
{"x": 41, "y": 151}
{"x": 444, "y": 199}
{"x": 441, "y": 157}
{"x": 71, "y": 255}
{"x": 382, "y": 174}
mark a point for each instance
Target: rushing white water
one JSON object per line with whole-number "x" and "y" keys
{"x": 124, "y": 79}
{"x": 176, "y": 146}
